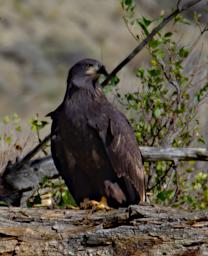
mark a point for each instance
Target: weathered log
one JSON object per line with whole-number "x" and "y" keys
{"x": 170, "y": 154}
{"x": 138, "y": 230}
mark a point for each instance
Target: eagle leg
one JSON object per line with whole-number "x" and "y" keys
{"x": 95, "y": 205}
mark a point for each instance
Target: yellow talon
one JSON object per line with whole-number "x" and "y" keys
{"x": 95, "y": 205}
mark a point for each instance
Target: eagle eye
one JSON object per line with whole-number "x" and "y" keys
{"x": 89, "y": 65}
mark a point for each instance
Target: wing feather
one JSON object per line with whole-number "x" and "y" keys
{"x": 121, "y": 147}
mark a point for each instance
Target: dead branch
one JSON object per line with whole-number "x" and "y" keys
{"x": 174, "y": 154}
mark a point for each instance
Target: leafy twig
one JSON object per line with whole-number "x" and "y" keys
{"x": 162, "y": 177}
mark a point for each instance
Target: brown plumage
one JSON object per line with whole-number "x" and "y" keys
{"x": 93, "y": 145}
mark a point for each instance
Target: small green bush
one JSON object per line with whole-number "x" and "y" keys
{"x": 163, "y": 112}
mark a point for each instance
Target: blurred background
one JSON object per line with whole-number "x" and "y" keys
{"x": 40, "y": 40}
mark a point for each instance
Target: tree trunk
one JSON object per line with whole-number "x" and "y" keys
{"x": 138, "y": 230}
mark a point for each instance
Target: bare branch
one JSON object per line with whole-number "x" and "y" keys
{"x": 29, "y": 156}
{"x": 205, "y": 29}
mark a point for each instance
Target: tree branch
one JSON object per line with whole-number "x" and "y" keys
{"x": 19, "y": 164}
{"x": 172, "y": 154}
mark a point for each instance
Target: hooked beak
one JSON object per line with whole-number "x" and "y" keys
{"x": 96, "y": 71}
{"x": 102, "y": 70}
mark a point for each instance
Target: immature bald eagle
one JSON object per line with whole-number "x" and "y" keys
{"x": 93, "y": 145}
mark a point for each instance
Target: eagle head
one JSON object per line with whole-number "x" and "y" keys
{"x": 85, "y": 72}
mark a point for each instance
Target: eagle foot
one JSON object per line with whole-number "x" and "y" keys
{"x": 95, "y": 205}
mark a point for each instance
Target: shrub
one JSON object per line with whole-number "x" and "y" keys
{"x": 163, "y": 110}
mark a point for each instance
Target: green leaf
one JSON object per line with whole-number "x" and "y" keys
{"x": 201, "y": 140}
{"x": 8, "y": 139}
{"x": 127, "y": 2}
{"x": 113, "y": 83}
{"x": 200, "y": 94}
{"x": 18, "y": 128}
{"x": 154, "y": 72}
{"x": 168, "y": 34}
{"x": 37, "y": 124}
{"x": 144, "y": 23}
{"x": 68, "y": 199}
{"x": 6, "y": 119}
{"x": 15, "y": 118}
{"x": 159, "y": 53}
{"x": 154, "y": 43}
{"x": 128, "y": 7}
{"x": 140, "y": 72}
{"x": 165, "y": 195}
{"x": 183, "y": 53}
{"x": 157, "y": 112}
